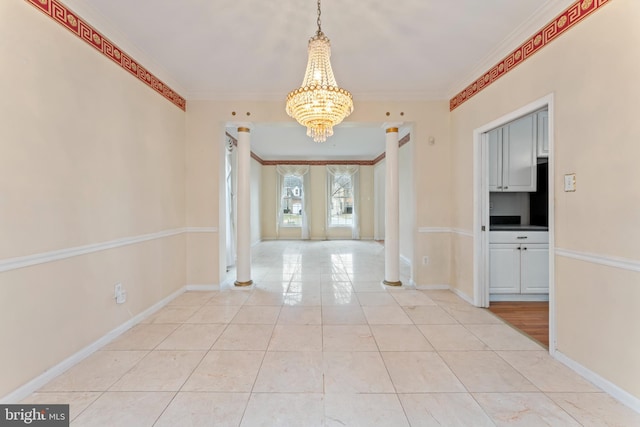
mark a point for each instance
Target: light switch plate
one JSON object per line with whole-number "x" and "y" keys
{"x": 570, "y": 182}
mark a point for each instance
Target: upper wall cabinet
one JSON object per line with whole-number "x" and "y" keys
{"x": 542, "y": 143}
{"x": 512, "y": 156}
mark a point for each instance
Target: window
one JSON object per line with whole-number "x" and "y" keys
{"x": 341, "y": 200}
{"x": 291, "y": 201}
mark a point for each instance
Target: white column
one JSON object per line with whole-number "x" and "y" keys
{"x": 392, "y": 209}
{"x": 243, "y": 227}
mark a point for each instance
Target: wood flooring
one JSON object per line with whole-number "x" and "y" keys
{"x": 532, "y": 318}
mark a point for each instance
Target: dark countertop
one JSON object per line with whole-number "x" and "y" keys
{"x": 517, "y": 227}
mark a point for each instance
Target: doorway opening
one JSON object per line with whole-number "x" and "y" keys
{"x": 513, "y": 219}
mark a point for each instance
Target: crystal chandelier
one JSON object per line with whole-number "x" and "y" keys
{"x": 319, "y": 104}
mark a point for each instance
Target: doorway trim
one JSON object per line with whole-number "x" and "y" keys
{"x": 481, "y": 208}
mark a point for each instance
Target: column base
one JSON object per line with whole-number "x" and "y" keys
{"x": 398, "y": 283}
{"x": 247, "y": 283}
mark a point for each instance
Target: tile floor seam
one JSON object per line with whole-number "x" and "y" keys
{"x": 482, "y": 408}
{"x": 165, "y": 409}
{"x": 564, "y": 410}
{"x": 89, "y": 405}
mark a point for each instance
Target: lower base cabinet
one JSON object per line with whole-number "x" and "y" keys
{"x": 518, "y": 268}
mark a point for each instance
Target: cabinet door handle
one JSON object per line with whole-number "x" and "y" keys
{"x": 506, "y": 188}
{"x": 522, "y": 237}
{"x": 499, "y": 187}
{"x": 519, "y": 248}
{"x": 524, "y": 249}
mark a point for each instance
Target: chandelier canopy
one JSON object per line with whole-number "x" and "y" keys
{"x": 319, "y": 104}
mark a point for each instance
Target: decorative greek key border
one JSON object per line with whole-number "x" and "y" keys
{"x": 72, "y": 22}
{"x": 567, "y": 19}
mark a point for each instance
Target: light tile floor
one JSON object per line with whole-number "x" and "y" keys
{"x": 317, "y": 341}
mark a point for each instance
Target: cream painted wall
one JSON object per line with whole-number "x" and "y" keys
{"x": 88, "y": 154}
{"x": 319, "y": 205}
{"x": 256, "y": 189}
{"x": 593, "y": 72}
{"x": 367, "y": 196}
{"x": 268, "y": 202}
{"x": 432, "y": 195}
{"x": 205, "y": 181}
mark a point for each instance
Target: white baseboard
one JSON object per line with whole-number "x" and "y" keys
{"x": 616, "y": 392}
{"x": 518, "y": 297}
{"x": 410, "y": 285}
{"x": 36, "y": 383}
{"x": 444, "y": 287}
{"x": 433, "y": 287}
{"x": 462, "y": 295}
{"x": 202, "y": 287}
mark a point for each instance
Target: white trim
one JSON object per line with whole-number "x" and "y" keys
{"x": 616, "y": 392}
{"x": 435, "y": 230}
{"x": 44, "y": 257}
{"x": 201, "y": 229}
{"x": 623, "y": 263}
{"x": 410, "y": 285}
{"x": 459, "y": 231}
{"x": 446, "y": 287}
{"x": 481, "y": 211}
{"x": 462, "y": 295}
{"x": 518, "y": 297}
{"x": 228, "y": 282}
{"x": 463, "y": 232}
{"x": 199, "y": 288}
{"x": 33, "y": 385}
{"x": 551, "y": 203}
{"x": 433, "y": 287}
{"x": 9, "y": 264}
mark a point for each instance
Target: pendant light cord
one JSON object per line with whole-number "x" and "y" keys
{"x": 319, "y": 21}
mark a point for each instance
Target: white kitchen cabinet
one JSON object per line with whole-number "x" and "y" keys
{"x": 542, "y": 135}
{"x": 534, "y": 269}
{"x": 512, "y": 156}
{"x": 504, "y": 268}
{"x": 518, "y": 263}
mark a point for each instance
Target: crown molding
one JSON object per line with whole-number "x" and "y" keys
{"x": 323, "y": 162}
{"x": 541, "y": 17}
{"x": 117, "y": 36}
{"x": 563, "y": 22}
{"x": 75, "y": 20}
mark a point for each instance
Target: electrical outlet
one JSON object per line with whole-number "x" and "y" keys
{"x": 120, "y": 294}
{"x": 425, "y": 260}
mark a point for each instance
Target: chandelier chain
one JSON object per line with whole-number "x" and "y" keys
{"x": 319, "y": 104}
{"x": 319, "y": 21}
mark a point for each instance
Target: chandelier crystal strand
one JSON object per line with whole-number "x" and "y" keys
{"x": 319, "y": 104}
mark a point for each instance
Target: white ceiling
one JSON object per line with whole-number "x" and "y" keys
{"x": 250, "y": 49}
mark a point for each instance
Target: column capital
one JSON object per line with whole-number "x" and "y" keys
{"x": 392, "y": 126}
{"x": 243, "y": 126}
